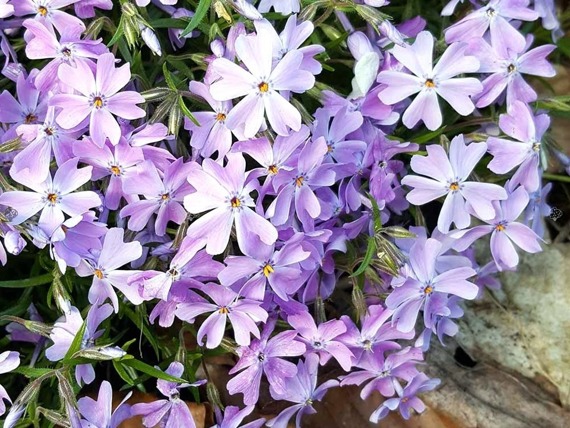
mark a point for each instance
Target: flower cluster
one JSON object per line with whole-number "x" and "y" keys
{"x": 244, "y": 220}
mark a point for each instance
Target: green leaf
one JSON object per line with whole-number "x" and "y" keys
{"x": 76, "y": 344}
{"x": 30, "y": 282}
{"x": 123, "y": 373}
{"x": 375, "y": 213}
{"x": 169, "y": 78}
{"x": 150, "y": 370}
{"x": 199, "y": 15}
{"x": 424, "y": 138}
{"x": 142, "y": 327}
{"x": 186, "y": 111}
{"x": 169, "y": 23}
{"x": 31, "y": 372}
{"x": 370, "y": 250}
{"x": 118, "y": 34}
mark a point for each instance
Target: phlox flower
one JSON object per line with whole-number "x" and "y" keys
{"x": 285, "y": 7}
{"x": 69, "y": 49}
{"x": 99, "y": 413}
{"x": 303, "y": 391}
{"x": 260, "y": 84}
{"x": 265, "y": 356}
{"x": 407, "y": 398}
{"x": 105, "y": 265}
{"x": 322, "y": 339}
{"x": 53, "y": 197}
{"x": 5, "y": 9}
{"x": 538, "y": 209}
{"x": 423, "y": 282}
{"x": 430, "y": 81}
{"x": 233, "y": 418}
{"x": 448, "y": 175}
{"x": 242, "y": 313}
{"x": 224, "y": 193}
{"x": 527, "y": 130}
{"x": 505, "y": 231}
{"x": 98, "y": 98}
{"x": 507, "y": 68}
{"x": 163, "y": 196}
{"x": 9, "y": 360}
{"x": 496, "y": 17}
{"x": 48, "y": 14}
{"x": 170, "y": 413}
{"x": 86, "y": 8}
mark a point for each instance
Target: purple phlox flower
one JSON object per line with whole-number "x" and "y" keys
{"x": 48, "y": 14}
{"x": 99, "y": 413}
{"x": 98, "y": 97}
{"x": 322, "y": 339}
{"x": 505, "y": 231}
{"x": 264, "y": 356}
{"x": 407, "y": 398}
{"x": 381, "y": 373}
{"x": 175, "y": 34}
{"x": 296, "y": 187}
{"x": 233, "y": 417}
{"x": 376, "y": 336}
{"x": 162, "y": 196}
{"x": 54, "y": 197}
{"x": 180, "y": 292}
{"x": 331, "y": 204}
{"x": 6, "y": 9}
{"x": 69, "y": 49}
{"x": 291, "y": 39}
{"x": 212, "y": 135}
{"x": 449, "y": 8}
{"x": 242, "y": 313}
{"x": 19, "y": 333}
{"x": 9, "y": 360}
{"x": 105, "y": 265}
{"x": 225, "y": 193}
{"x": 116, "y": 162}
{"x": 86, "y": 8}
{"x": 450, "y": 174}
{"x": 13, "y": 242}
{"x": 546, "y": 9}
{"x": 367, "y": 58}
{"x": 188, "y": 263}
{"x": 262, "y": 265}
{"x": 430, "y": 81}
{"x": 147, "y": 134}
{"x": 407, "y": 299}
{"x": 520, "y": 124}
{"x": 538, "y": 209}
{"x": 43, "y": 140}
{"x": 66, "y": 328}
{"x": 397, "y": 34}
{"x": 224, "y": 48}
{"x": 260, "y": 84}
{"x": 30, "y": 108}
{"x": 273, "y": 158}
{"x": 507, "y": 67}
{"x": 495, "y": 16}
{"x": 302, "y": 390}
{"x": 170, "y": 413}
{"x": 335, "y": 128}
{"x": 444, "y": 310}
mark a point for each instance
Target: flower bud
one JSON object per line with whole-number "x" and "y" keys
{"x": 151, "y": 40}
{"x": 129, "y": 9}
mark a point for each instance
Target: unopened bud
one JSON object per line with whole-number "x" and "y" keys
{"x": 156, "y": 94}
{"x": 129, "y": 9}
{"x": 358, "y": 301}
{"x": 104, "y": 353}
{"x": 56, "y": 418}
{"x": 151, "y": 40}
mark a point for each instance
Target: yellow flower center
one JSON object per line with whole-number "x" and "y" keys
{"x": 49, "y": 131}
{"x": 428, "y": 290}
{"x": 224, "y": 310}
{"x": 299, "y": 181}
{"x": 116, "y": 170}
{"x": 500, "y": 227}
{"x": 267, "y": 270}
{"x": 30, "y": 118}
{"x": 273, "y": 169}
{"x": 165, "y": 196}
{"x": 98, "y": 102}
{"x": 236, "y": 203}
{"x": 536, "y": 147}
{"x": 263, "y": 87}
{"x": 429, "y": 83}
{"x": 98, "y": 273}
{"x": 220, "y": 117}
{"x": 454, "y": 186}
{"x": 52, "y": 198}
{"x": 42, "y": 10}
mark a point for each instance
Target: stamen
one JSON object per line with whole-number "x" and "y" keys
{"x": 428, "y": 290}
{"x": 220, "y": 117}
{"x": 98, "y": 273}
{"x": 42, "y": 10}
{"x": 299, "y": 181}
{"x": 30, "y": 118}
{"x": 98, "y": 102}
{"x": 273, "y": 169}
{"x": 66, "y": 52}
{"x": 263, "y": 87}
{"x": 236, "y": 203}
{"x": 116, "y": 170}
{"x": 165, "y": 196}
{"x": 536, "y": 147}
{"x": 454, "y": 187}
{"x": 49, "y": 131}
{"x": 52, "y": 198}
{"x": 500, "y": 227}
{"x": 267, "y": 270}
{"x": 511, "y": 68}
{"x": 429, "y": 83}
{"x": 224, "y": 310}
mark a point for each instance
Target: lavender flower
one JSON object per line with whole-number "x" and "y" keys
{"x": 430, "y": 81}
{"x": 99, "y": 98}
{"x": 302, "y": 390}
{"x": 260, "y": 86}
{"x": 233, "y": 417}
{"x": 48, "y": 14}
{"x": 99, "y": 414}
{"x": 224, "y": 192}
{"x": 285, "y": 7}
{"x": 242, "y": 313}
{"x": 172, "y": 412}
{"x": 9, "y": 360}
{"x": 450, "y": 174}
{"x": 264, "y": 356}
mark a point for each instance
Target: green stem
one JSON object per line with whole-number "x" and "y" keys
{"x": 556, "y": 177}
{"x": 30, "y": 282}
